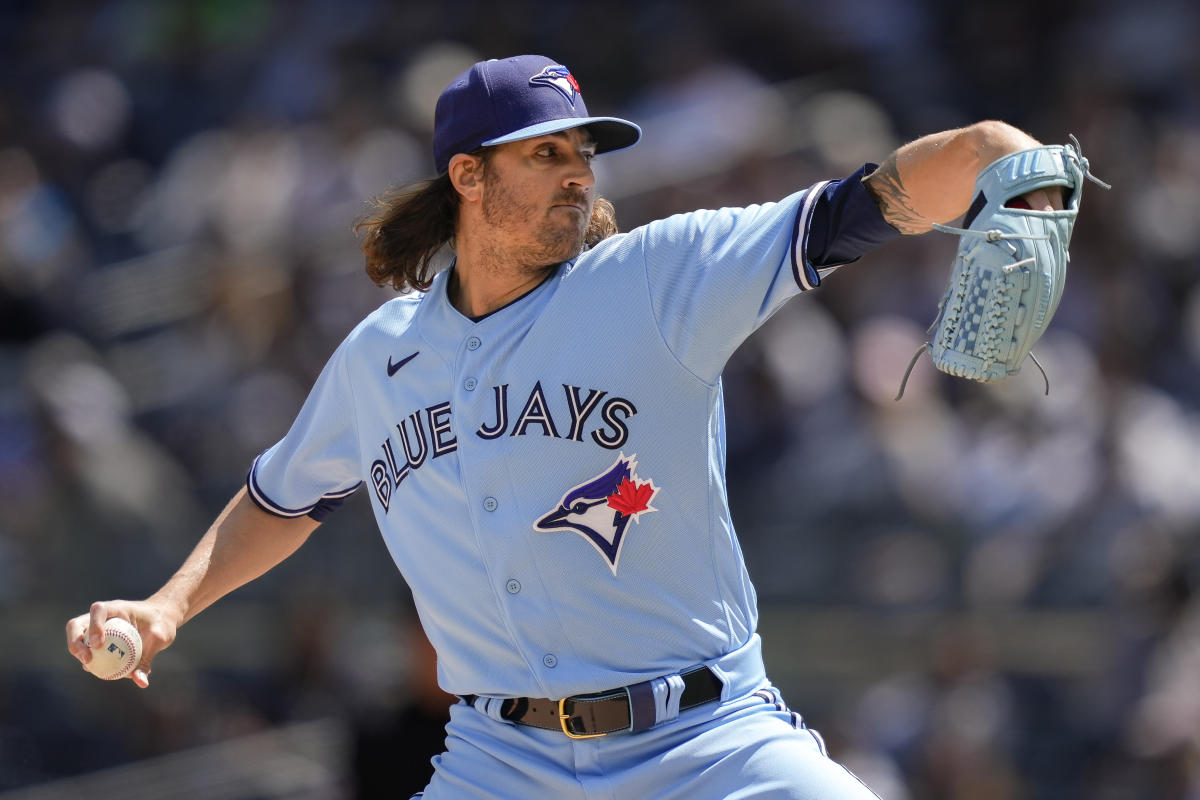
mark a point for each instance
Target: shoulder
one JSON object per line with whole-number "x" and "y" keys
{"x": 722, "y": 220}
{"x": 388, "y": 321}
{"x": 399, "y": 311}
{"x": 612, "y": 247}
{"x": 702, "y": 228}
{"x": 710, "y": 229}
{"x": 622, "y": 246}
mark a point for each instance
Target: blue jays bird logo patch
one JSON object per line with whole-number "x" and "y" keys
{"x": 600, "y": 509}
{"x": 559, "y": 77}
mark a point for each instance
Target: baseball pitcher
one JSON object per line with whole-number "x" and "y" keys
{"x": 540, "y": 430}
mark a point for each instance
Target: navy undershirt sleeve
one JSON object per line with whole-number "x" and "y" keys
{"x": 325, "y": 507}
{"x": 846, "y": 222}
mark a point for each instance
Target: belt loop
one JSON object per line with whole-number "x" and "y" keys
{"x": 642, "y": 707}
{"x": 668, "y": 691}
{"x": 492, "y": 706}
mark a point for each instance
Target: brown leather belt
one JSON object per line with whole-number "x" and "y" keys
{"x": 628, "y": 710}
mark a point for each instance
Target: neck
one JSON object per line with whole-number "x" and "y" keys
{"x": 476, "y": 292}
{"x": 487, "y": 276}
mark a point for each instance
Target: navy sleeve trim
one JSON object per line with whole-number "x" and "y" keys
{"x": 846, "y": 222}
{"x": 806, "y": 277}
{"x": 318, "y": 510}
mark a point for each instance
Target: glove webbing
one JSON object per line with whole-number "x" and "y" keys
{"x": 994, "y": 325}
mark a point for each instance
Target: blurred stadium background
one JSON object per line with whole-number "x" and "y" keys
{"x": 976, "y": 593}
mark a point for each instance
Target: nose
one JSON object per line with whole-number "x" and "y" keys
{"x": 579, "y": 173}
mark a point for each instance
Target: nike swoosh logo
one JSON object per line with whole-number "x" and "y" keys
{"x": 392, "y": 368}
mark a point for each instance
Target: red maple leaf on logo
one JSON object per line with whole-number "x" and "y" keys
{"x": 631, "y": 497}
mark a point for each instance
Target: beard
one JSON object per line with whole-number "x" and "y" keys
{"x": 558, "y": 234}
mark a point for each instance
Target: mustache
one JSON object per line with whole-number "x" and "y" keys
{"x": 571, "y": 198}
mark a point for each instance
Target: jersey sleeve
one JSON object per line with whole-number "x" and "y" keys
{"x": 715, "y": 276}
{"x": 846, "y": 222}
{"x": 315, "y": 465}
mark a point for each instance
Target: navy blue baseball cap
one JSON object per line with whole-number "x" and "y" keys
{"x": 505, "y": 100}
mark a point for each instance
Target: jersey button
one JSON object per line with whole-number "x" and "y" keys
{"x": 513, "y": 586}
{"x": 469, "y": 384}
{"x": 473, "y": 343}
{"x": 550, "y": 660}
{"x": 490, "y": 504}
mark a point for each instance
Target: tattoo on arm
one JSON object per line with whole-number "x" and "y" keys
{"x": 885, "y": 186}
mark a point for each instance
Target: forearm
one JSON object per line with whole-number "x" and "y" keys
{"x": 931, "y": 179}
{"x": 243, "y": 543}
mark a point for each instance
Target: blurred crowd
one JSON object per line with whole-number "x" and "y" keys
{"x": 178, "y": 183}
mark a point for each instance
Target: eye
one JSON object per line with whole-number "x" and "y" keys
{"x": 579, "y": 507}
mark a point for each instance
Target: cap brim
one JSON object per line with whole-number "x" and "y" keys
{"x": 609, "y": 133}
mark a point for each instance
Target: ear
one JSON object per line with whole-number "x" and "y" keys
{"x": 466, "y": 175}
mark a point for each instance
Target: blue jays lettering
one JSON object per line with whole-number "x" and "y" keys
{"x": 429, "y": 432}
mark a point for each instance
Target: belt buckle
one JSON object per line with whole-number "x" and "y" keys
{"x": 563, "y": 716}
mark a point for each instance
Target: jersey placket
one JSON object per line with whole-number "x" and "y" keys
{"x": 486, "y": 458}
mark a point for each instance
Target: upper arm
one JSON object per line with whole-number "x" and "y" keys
{"x": 716, "y": 276}
{"x": 317, "y": 463}
{"x": 257, "y": 537}
{"x": 251, "y": 515}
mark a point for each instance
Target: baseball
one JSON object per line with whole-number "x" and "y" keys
{"x": 118, "y": 653}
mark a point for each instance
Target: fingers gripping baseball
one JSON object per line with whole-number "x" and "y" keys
{"x": 119, "y": 638}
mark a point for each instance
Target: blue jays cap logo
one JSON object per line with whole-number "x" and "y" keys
{"x": 600, "y": 509}
{"x": 559, "y": 77}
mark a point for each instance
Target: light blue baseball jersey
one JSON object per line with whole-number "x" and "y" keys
{"x": 550, "y": 478}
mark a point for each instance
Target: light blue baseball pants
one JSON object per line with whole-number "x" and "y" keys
{"x": 747, "y": 745}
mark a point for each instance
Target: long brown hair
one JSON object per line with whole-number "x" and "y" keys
{"x": 411, "y": 223}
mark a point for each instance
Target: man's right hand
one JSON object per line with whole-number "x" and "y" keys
{"x": 243, "y": 543}
{"x": 156, "y": 630}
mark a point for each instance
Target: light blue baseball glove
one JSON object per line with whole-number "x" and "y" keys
{"x": 1010, "y": 268}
